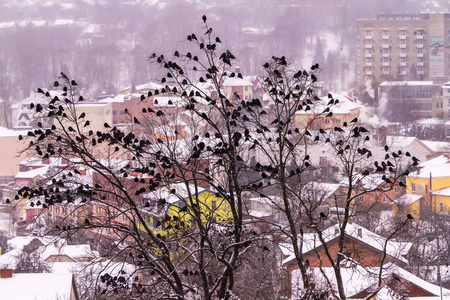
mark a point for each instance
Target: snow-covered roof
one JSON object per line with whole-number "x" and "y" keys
{"x": 38, "y": 23}
{"x": 146, "y": 86}
{"x": 369, "y": 182}
{"x": 430, "y": 121}
{"x": 63, "y": 22}
{"x": 346, "y": 105}
{"x": 4, "y": 132}
{"x": 406, "y": 83}
{"x": 320, "y": 190}
{"x": 10, "y": 259}
{"x": 181, "y": 192}
{"x": 19, "y": 242}
{"x": 311, "y": 241}
{"x": 43, "y": 286}
{"x": 33, "y": 172}
{"x": 358, "y": 278}
{"x": 117, "y": 98}
{"x": 441, "y": 159}
{"x": 400, "y": 141}
{"x": 257, "y": 31}
{"x": 75, "y": 252}
{"x": 407, "y": 199}
{"x": 7, "y": 25}
{"x": 235, "y": 81}
{"x": 442, "y": 192}
{"x": 435, "y": 171}
{"x": 149, "y": 85}
{"x": 437, "y": 146}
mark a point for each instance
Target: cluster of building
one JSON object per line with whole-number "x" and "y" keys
{"x": 426, "y": 192}
{"x": 406, "y": 59}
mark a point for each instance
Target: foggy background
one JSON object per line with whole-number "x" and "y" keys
{"x": 104, "y": 44}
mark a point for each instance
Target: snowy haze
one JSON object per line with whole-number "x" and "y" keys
{"x": 105, "y": 44}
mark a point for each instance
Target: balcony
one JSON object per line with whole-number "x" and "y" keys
{"x": 369, "y": 46}
{"x": 386, "y": 64}
{"x": 421, "y": 72}
{"x": 369, "y": 64}
{"x": 385, "y": 72}
{"x": 385, "y": 55}
{"x": 385, "y": 46}
{"x": 419, "y": 54}
{"x": 368, "y": 72}
{"x": 403, "y": 64}
{"x": 402, "y": 54}
{"x": 420, "y": 64}
{"x": 369, "y": 37}
{"x": 419, "y": 37}
{"x": 402, "y": 73}
{"x": 402, "y": 37}
{"x": 419, "y": 46}
{"x": 368, "y": 55}
{"x": 385, "y": 37}
{"x": 402, "y": 46}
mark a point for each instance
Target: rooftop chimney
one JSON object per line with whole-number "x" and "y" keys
{"x": 418, "y": 170}
{"x": 6, "y": 273}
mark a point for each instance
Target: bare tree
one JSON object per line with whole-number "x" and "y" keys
{"x": 121, "y": 183}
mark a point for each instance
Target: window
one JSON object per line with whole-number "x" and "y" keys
{"x": 361, "y": 199}
{"x": 420, "y": 189}
{"x": 397, "y": 189}
{"x": 414, "y": 212}
{"x": 213, "y": 205}
{"x": 246, "y": 88}
{"x": 413, "y": 187}
{"x": 181, "y": 205}
{"x": 114, "y": 112}
{"x": 441, "y": 207}
{"x": 385, "y": 199}
{"x": 327, "y": 121}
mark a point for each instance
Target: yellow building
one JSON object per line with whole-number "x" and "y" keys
{"x": 431, "y": 182}
{"x": 345, "y": 110}
{"x": 169, "y": 209}
{"x": 239, "y": 86}
{"x": 409, "y": 204}
{"x": 441, "y": 201}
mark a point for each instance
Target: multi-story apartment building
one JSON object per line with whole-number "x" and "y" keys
{"x": 404, "y": 47}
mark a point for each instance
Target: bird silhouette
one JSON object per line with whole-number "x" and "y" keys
{"x": 322, "y": 215}
{"x": 136, "y": 121}
{"x": 410, "y": 217}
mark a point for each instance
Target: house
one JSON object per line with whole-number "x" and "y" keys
{"x": 67, "y": 253}
{"x": 43, "y": 286}
{"x": 238, "y": 88}
{"x": 98, "y": 113}
{"x": 12, "y": 153}
{"x": 431, "y": 180}
{"x": 409, "y": 204}
{"x": 359, "y": 282}
{"x": 362, "y": 246}
{"x": 168, "y": 208}
{"x": 327, "y": 195}
{"x": 374, "y": 192}
{"x": 345, "y": 110}
{"x": 141, "y": 89}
